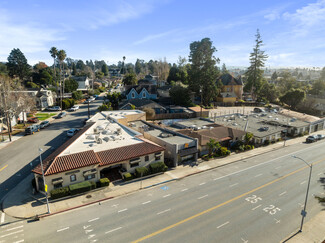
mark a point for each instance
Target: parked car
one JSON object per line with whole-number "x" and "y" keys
{"x": 91, "y": 99}
{"x": 95, "y": 96}
{"x": 32, "y": 129}
{"x": 44, "y": 124}
{"x": 320, "y": 136}
{"x": 32, "y": 119}
{"x": 62, "y": 114}
{"x": 311, "y": 139}
{"x": 72, "y": 132}
{"x": 54, "y": 108}
{"x": 74, "y": 108}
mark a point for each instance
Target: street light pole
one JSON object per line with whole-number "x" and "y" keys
{"x": 303, "y": 212}
{"x": 45, "y": 189}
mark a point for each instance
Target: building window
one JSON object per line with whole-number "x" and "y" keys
{"x": 146, "y": 158}
{"x": 157, "y": 156}
{"x": 144, "y": 95}
{"x": 134, "y": 164}
{"x": 58, "y": 185}
{"x": 132, "y": 95}
{"x": 89, "y": 177}
{"x": 73, "y": 178}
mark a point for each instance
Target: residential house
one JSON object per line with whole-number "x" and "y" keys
{"x": 141, "y": 104}
{"x": 43, "y": 97}
{"x": 141, "y": 92}
{"x": 83, "y": 83}
{"x": 232, "y": 89}
{"x": 103, "y": 148}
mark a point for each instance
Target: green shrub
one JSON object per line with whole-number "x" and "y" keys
{"x": 104, "y": 182}
{"x": 127, "y": 176}
{"x": 77, "y": 95}
{"x": 157, "y": 167}
{"x": 141, "y": 171}
{"x": 80, "y": 187}
{"x": 60, "y": 192}
{"x": 224, "y": 151}
{"x": 93, "y": 185}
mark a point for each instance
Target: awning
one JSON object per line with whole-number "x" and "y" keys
{"x": 89, "y": 172}
{"x": 189, "y": 151}
{"x": 57, "y": 181}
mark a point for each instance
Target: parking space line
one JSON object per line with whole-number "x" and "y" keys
{"x": 62, "y": 229}
{"x": 281, "y": 194}
{"x": 12, "y": 233}
{"x": 223, "y": 225}
{"x": 163, "y": 211}
{"x": 202, "y": 184}
{"x": 146, "y": 202}
{"x": 258, "y": 175}
{"x": 2, "y": 218}
{"x": 257, "y": 207}
{"x": 18, "y": 227}
{"x": 167, "y": 195}
{"x": 122, "y": 210}
{"x": 92, "y": 220}
{"x": 110, "y": 231}
{"x": 185, "y": 189}
{"x": 233, "y": 185}
{"x": 202, "y": 196}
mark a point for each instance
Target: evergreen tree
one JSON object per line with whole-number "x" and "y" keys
{"x": 17, "y": 64}
{"x": 203, "y": 72}
{"x": 224, "y": 69}
{"x": 274, "y": 76}
{"x": 105, "y": 69}
{"x": 74, "y": 69}
{"x": 138, "y": 66}
{"x": 254, "y": 73}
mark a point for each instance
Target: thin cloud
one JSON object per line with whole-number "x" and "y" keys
{"x": 29, "y": 37}
{"x": 154, "y": 37}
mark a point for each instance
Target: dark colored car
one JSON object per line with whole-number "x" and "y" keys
{"x": 311, "y": 139}
{"x": 62, "y": 114}
{"x": 32, "y": 129}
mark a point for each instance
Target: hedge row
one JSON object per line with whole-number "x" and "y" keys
{"x": 144, "y": 171}
{"x": 78, "y": 188}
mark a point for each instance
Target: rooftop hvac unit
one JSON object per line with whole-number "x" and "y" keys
{"x": 106, "y": 139}
{"x": 113, "y": 138}
{"x": 119, "y": 130}
{"x": 99, "y": 141}
{"x": 95, "y": 130}
{"x": 91, "y": 137}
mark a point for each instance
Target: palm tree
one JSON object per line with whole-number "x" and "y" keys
{"x": 54, "y": 53}
{"x": 61, "y": 56}
{"x": 212, "y": 145}
{"x": 248, "y": 137}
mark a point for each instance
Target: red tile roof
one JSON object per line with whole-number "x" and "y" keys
{"x": 127, "y": 152}
{"x": 54, "y": 164}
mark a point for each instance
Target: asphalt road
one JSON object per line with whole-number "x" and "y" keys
{"x": 255, "y": 200}
{"x": 18, "y": 158}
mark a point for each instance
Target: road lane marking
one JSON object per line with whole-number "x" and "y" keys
{"x": 110, "y": 231}
{"x": 146, "y": 202}
{"x": 88, "y": 231}
{"x": 163, "y": 211}
{"x": 18, "y": 227}
{"x": 202, "y": 196}
{"x": 222, "y": 204}
{"x": 3, "y": 167}
{"x": 266, "y": 162}
{"x": 301, "y": 205}
{"x": 59, "y": 230}
{"x": 86, "y": 226}
{"x": 303, "y": 182}
{"x": 91, "y": 220}
{"x": 202, "y": 184}
{"x": 12, "y": 233}
{"x": 9, "y": 225}
{"x": 91, "y": 236}
{"x": 233, "y": 185}
{"x": 245, "y": 241}
{"x": 115, "y": 205}
{"x": 2, "y": 220}
{"x": 320, "y": 173}
{"x": 281, "y": 194}
{"x": 278, "y": 167}
{"x": 122, "y": 210}
{"x": 19, "y": 241}
{"x": 185, "y": 189}
{"x": 223, "y": 225}
{"x": 277, "y": 220}
{"x": 167, "y": 195}
{"x": 258, "y": 175}
{"x": 257, "y": 207}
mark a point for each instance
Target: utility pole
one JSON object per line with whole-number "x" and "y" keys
{"x": 45, "y": 186}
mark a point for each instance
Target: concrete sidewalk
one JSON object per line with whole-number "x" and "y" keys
{"x": 20, "y": 202}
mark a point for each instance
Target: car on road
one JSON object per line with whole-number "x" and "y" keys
{"x": 320, "y": 136}
{"x": 54, "y": 108}
{"x": 62, "y": 114}
{"x": 74, "y": 108}
{"x": 32, "y": 129}
{"x": 72, "y": 132}
{"x": 44, "y": 124}
{"x": 311, "y": 139}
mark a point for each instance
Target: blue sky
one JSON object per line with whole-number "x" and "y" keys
{"x": 292, "y": 31}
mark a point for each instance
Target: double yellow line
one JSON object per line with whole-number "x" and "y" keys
{"x": 3, "y": 168}
{"x": 222, "y": 204}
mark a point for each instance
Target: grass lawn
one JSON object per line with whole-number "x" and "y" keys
{"x": 44, "y": 116}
